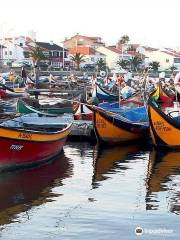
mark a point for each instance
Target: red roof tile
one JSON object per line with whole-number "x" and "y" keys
{"x": 83, "y": 50}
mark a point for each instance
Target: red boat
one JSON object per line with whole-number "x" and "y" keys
{"x": 32, "y": 139}
{"x": 83, "y": 113}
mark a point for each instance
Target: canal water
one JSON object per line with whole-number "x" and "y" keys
{"x": 123, "y": 192}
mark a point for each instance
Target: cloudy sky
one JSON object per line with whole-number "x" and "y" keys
{"x": 150, "y": 22}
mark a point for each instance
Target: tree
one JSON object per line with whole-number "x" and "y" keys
{"x": 78, "y": 58}
{"x": 101, "y": 65}
{"x": 124, "y": 39}
{"x": 123, "y": 63}
{"x": 154, "y": 65}
{"x": 135, "y": 62}
{"x": 37, "y": 55}
{"x": 173, "y": 68}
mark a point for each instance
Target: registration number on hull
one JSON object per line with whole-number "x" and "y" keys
{"x": 160, "y": 126}
{"x": 100, "y": 123}
{"x": 25, "y": 135}
{"x": 16, "y": 147}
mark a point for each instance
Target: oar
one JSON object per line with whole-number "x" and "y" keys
{"x": 7, "y": 88}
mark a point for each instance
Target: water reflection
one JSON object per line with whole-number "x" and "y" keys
{"x": 22, "y": 190}
{"x": 163, "y": 177}
{"x": 107, "y": 161}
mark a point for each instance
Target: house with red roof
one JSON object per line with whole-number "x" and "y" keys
{"x": 113, "y": 55}
{"x": 91, "y": 55}
{"x": 81, "y": 40}
{"x": 166, "y": 57}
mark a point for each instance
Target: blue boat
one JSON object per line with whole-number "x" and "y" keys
{"x": 104, "y": 95}
{"x": 126, "y": 93}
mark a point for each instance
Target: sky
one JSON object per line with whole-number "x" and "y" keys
{"x": 148, "y": 22}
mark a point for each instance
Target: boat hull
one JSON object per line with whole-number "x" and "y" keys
{"x": 111, "y": 130}
{"x": 104, "y": 95}
{"x": 165, "y": 131}
{"x": 23, "y": 107}
{"x": 19, "y": 153}
{"x": 28, "y": 140}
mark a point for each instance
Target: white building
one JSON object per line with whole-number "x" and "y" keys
{"x": 166, "y": 57}
{"x": 113, "y": 55}
{"x": 14, "y": 49}
{"x": 12, "y": 52}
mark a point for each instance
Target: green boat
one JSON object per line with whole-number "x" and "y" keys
{"x": 23, "y": 107}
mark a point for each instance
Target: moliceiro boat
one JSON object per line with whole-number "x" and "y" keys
{"x": 119, "y": 128}
{"x": 164, "y": 128}
{"x": 103, "y": 95}
{"x": 32, "y": 139}
{"x": 161, "y": 96}
{"x": 27, "y": 105}
{"x": 83, "y": 113}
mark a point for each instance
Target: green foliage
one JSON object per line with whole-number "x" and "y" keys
{"x": 135, "y": 62}
{"x": 154, "y": 65}
{"x": 101, "y": 65}
{"x": 124, "y": 39}
{"x": 37, "y": 55}
{"x": 123, "y": 63}
{"x": 78, "y": 58}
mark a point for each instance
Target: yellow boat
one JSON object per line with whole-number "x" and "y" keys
{"x": 164, "y": 128}
{"x": 162, "y": 96}
{"x": 113, "y": 128}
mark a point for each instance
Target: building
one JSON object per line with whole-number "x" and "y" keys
{"x": 113, "y": 55}
{"x": 166, "y": 57}
{"x": 57, "y": 56}
{"x": 80, "y": 40}
{"x": 127, "y": 47}
{"x": 12, "y": 52}
{"x": 91, "y": 55}
{"x": 1, "y": 52}
{"x": 13, "y": 49}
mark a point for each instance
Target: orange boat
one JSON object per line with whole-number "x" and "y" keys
{"x": 114, "y": 128}
{"x": 164, "y": 128}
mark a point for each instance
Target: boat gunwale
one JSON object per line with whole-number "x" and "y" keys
{"x": 169, "y": 119}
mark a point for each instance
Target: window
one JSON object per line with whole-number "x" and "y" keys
{"x": 176, "y": 60}
{"x": 26, "y": 54}
{"x": 10, "y": 52}
{"x": 56, "y": 64}
{"x": 21, "y": 44}
{"x": 55, "y": 54}
{"x": 46, "y": 54}
{"x": 167, "y": 60}
{"x": 5, "y": 53}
